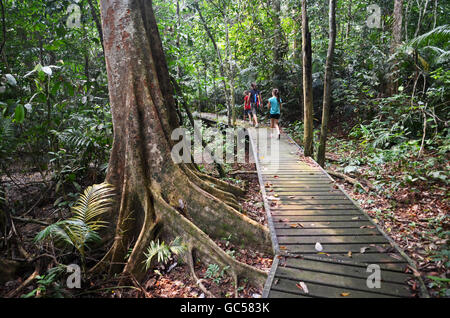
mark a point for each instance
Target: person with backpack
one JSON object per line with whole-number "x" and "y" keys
{"x": 274, "y": 106}
{"x": 255, "y": 99}
{"x": 248, "y": 107}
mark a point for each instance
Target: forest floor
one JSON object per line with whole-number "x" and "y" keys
{"x": 170, "y": 280}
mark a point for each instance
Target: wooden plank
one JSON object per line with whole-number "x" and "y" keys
{"x": 298, "y": 231}
{"x": 342, "y": 269}
{"x": 318, "y": 218}
{"x": 340, "y": 248}
{"x": 292, "y": 207}
{"x": 347, "y": 284}
{"x": 362, "y": 239}
{"x": 325, "y": 225}
{"x": 279, "y": 294}
{"x": 315, "y": 212}
{"x": 318, "y": 290}
{"x": 292, "y": 202}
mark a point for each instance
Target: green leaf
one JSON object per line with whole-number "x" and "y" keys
{"x": 19, "y": 114}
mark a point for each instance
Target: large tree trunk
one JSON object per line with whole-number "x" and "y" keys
{"x": 307, "y": 84}
{"x": 327, "y": 84}
{"x": 155, "y": 193}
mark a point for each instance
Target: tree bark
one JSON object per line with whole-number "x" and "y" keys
{"x": 156, "y": 196}
{"x": 396, "y": 41}
{"x": 327, "y": 84}
{"x": 307, "y": 84}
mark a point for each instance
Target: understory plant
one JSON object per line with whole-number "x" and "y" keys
{"x": 81, "y": 230}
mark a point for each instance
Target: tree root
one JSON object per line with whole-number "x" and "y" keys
{"x": 224, "y": 186}
{"x": 227, "y": 197}
{"x": 199, "y": 282}
{"x": 207, "y": 249}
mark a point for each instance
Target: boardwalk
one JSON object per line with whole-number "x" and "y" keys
{"x": 322, "y": 240}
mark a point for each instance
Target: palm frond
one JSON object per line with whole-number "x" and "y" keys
{"x": 80, "y": 230}
{"x": 438, "y": 34}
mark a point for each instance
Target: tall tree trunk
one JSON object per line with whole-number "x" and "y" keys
{"x": 219, "y": 56}
{"x": 307, "y": 84}
{"x": 421, "y": 15}
{"x": 327, "y": 84}
{"x": 97, "y": 22}
{"x": 349, "y": 16}
{"x": 396, "y": 41}
{"x": 156, "y": 195}
{"x": 278, "y": 46}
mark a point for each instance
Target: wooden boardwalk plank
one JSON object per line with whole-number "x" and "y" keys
{"x": 304, "y": 206}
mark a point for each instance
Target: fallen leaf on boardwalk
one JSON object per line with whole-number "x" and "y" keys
{"x": 302, "y": 286}
{"x": 276, "y": 177}
{"x": 283, "y": 247}
{"x": 363, "y": 249}
{"x": 299, "y": 224}
{"x": 275, "y": 195}
{"x": 276, "y": 281}
{"x": 349, "y": 254}
{"x": 272, "y": 198}
{"x": 284, "y": 220}
{"x": 345, "y": 294}
{"x": 294, "y": 225}
{"x": 291, "y": 197}
{"x": 355, "y": 218}
{"x": 318, "y": 247}
{"x": 322, "y": 253}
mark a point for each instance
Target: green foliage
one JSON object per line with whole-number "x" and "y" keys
{"x": 81, "y": 229}
{"x": 49, "y": 285}
{"x": 215, "y": 273}
{"x": 164, "y": 251}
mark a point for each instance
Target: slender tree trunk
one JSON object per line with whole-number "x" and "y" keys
{"x": 97, "y": 22}
{"x": 396, "y": 41}
{"x": 278, "y": 45}
{"x": 2, "y": 7}
{"x": 435, "y": 13}
{"x": 421, "y": 15}
{"x": 349, "y": 16}
{"x": 307, "y": 84}
{"x": 219, "y": 56}
{"x": 406, "y": 19}
{"x": 327, "y": 84}
{"x": 155, "y": 194}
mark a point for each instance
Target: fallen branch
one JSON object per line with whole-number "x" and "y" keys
{"x": 241, "y": 172}
{"x": 24, "y": 284}
{"x": 351, "y": 180}
{"x": 25, "y": 220}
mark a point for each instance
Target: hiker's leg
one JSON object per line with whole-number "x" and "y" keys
{"x": 276, "y": 126}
